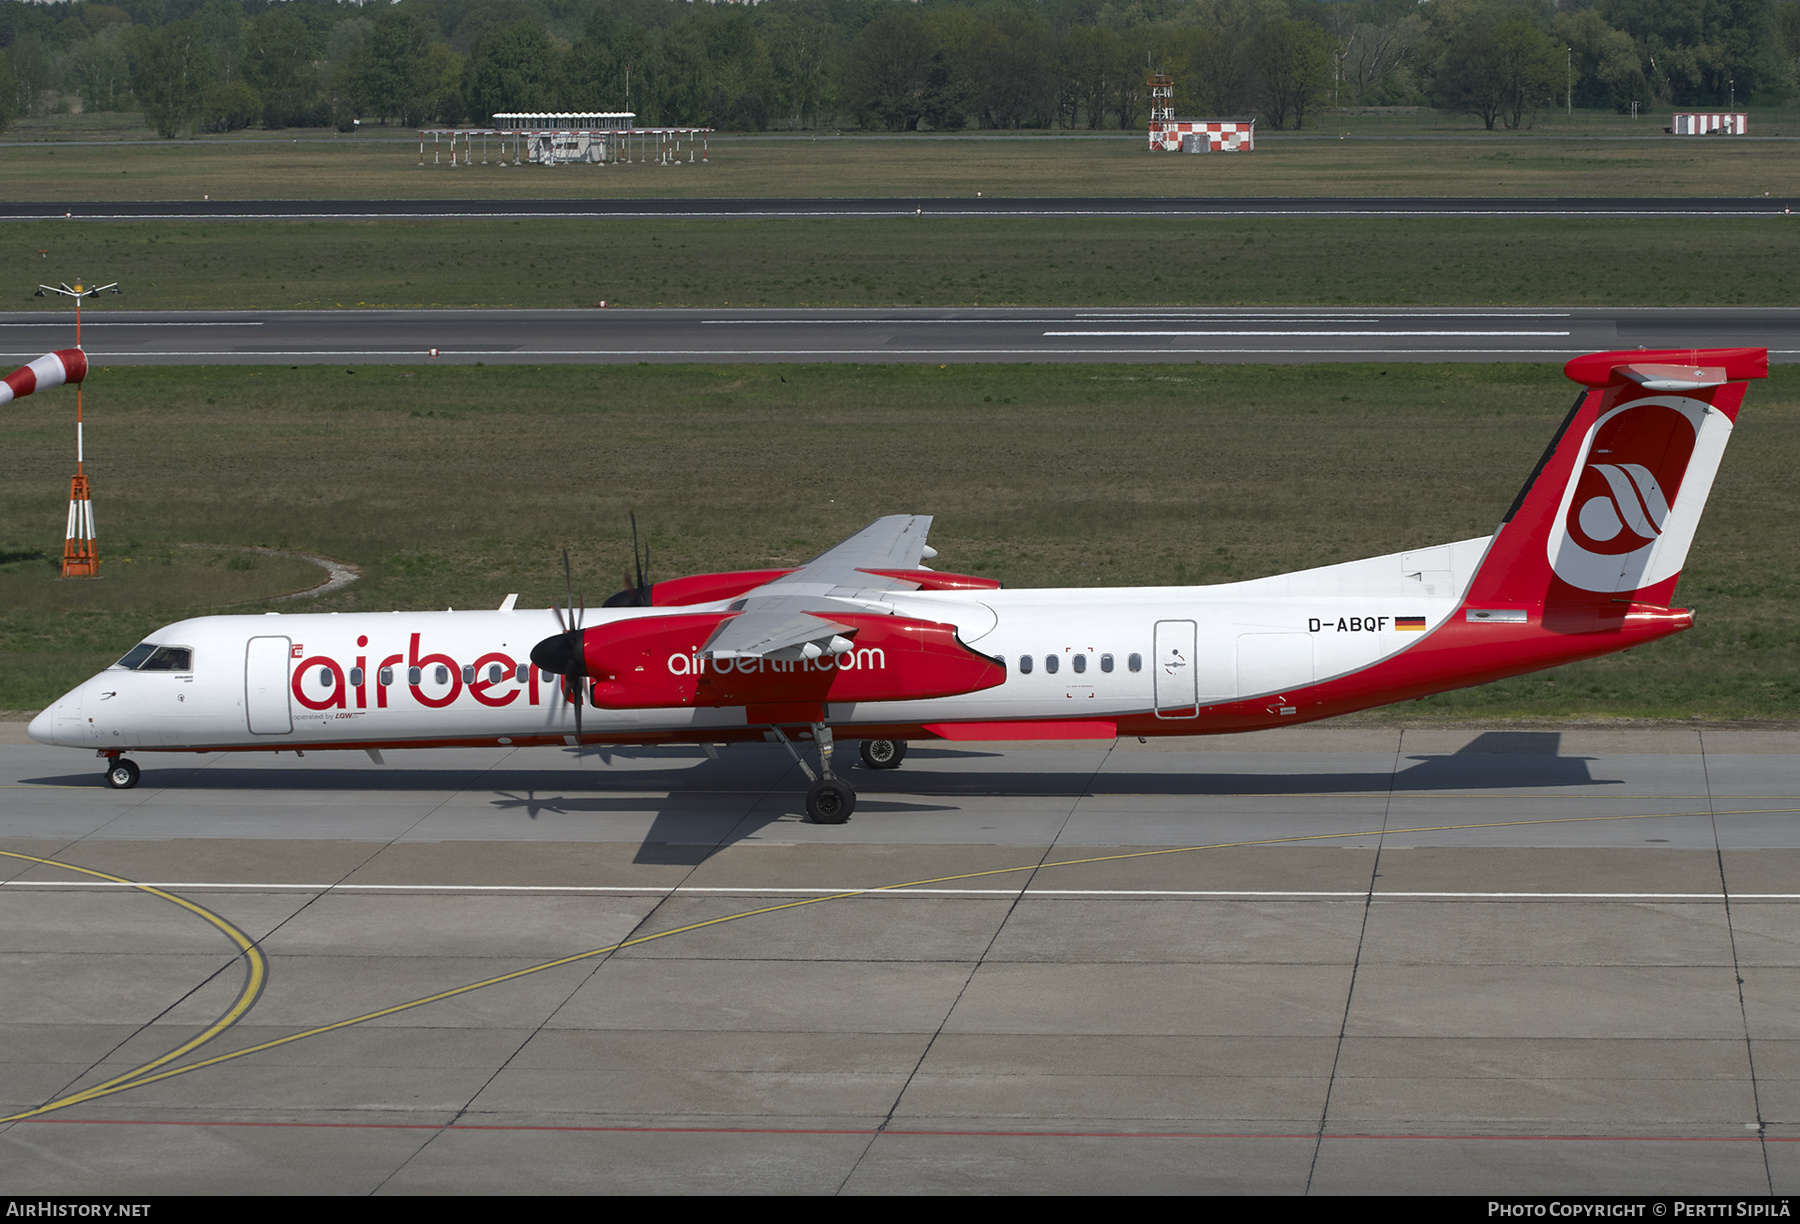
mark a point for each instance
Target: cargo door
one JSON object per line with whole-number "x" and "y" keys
{"x": 1177, "y": 688}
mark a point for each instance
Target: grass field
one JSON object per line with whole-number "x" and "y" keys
{"x": 454, "y": 486}
{"x": 1356, "y": 156}
{"x": 911, "y": 261}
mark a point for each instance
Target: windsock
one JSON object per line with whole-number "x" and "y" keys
{"x": 50, "y": 370}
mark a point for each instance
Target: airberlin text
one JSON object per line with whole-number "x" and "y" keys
{"x": 868, "y": 658}
{"x": 320, "y": 682}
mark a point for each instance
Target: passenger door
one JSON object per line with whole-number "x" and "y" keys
{"x": 266, "y": 662}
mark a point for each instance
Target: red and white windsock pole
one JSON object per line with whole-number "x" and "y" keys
{"x": 81, "y": 558}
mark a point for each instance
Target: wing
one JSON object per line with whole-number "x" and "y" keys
{"x": 792, "y": 614}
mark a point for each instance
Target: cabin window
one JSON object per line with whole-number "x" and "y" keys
{"x": 1079, "y": 663}
{"x": 414, "y": 675}
{"x": 386, "y": 676}
{"x": 1106, "y": 663}
{"x": 356, "y": 677}
{"x": 442, "y": 674}
{"x": 1024, "y": 665}
{"x": 468, "y": 674}
{"x": 1051, "y": 663}
{"x": 327, "y": 678}
{"x": 495, "y": 671}
{"x": 1135, "y": 662}
{"x": 523, "y": 674}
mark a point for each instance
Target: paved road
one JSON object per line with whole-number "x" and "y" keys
{"x": 895, "y": 335}
{"x": 1092, "y": 206}
{"x": 1315, "y": 960}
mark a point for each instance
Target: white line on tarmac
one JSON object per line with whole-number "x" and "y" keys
{"x": 125, "y": 323}
{"x": 1493, "y": 334}
{"x": 900, "y": 210}
{"x": 1290, "y": 316}
{"x": 902, "y": 891}
{"x": 640, "y": 353}
{"x": 1010, "y": 323}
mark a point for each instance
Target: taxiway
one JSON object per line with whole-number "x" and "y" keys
{"x": 1326, "y": 960}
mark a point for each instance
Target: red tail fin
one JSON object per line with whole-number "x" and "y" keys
{"x": 1609, "y": 513}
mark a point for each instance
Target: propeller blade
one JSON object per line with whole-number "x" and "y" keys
{"x": 634, "y": 553}
{"x": 636, "y": 592}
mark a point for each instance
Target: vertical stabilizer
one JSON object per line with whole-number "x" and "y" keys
{"x": 1610, "y": 512}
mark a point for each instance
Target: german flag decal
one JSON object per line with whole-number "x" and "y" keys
{"x": 1410, "y": 624}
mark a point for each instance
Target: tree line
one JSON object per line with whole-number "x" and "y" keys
{"x": 897, "y": 65}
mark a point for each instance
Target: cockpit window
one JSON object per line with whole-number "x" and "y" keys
{"x": 149, "y": 657}
{"x": 136, "y": 656}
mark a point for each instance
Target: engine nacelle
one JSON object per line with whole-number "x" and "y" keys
{"x": 654, "y": 662}
{"x": 938, "y": 580}
{"x": 709, "y": 588}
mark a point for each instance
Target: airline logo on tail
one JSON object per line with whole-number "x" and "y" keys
{"x": 1623, "y": 524}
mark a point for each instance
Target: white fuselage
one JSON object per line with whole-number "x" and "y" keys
{"x": 281, "y": 681}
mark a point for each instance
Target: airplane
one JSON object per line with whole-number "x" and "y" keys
{"x": 866, "y": 644}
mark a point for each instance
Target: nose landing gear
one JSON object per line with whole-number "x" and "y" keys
{"x": 121, "y": 772}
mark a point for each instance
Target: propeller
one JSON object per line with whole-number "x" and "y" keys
{"x": 636, "y": 593}
{"x": 562, "y": 654}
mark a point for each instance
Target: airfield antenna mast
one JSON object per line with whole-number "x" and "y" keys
{"x": 1162, "y": 106}
{"x": 81, "y": 554}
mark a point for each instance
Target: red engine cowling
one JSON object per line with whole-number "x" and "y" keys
{"x": 938, "y": 580}
{"x": 654, "y": 662}
{"x": 709, "y": 588}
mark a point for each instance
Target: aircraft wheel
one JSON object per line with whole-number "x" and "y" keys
{"x": 883, "y": 754}
{"x": 830, "y": 801}
{"x": 122, "y": 774}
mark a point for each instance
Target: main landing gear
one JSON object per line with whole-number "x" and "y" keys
{"x": 830, "y": 799}
{"x": 121, "y": 772}
{"x": 883, "y": 754}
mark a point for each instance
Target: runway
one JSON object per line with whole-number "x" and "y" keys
{"x": 1000, "y": 207}
{"x": 1319, "y": 960}
{"x": 1001, "y": 334}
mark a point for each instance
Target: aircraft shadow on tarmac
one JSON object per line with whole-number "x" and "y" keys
{"x": 706, "y": 803}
